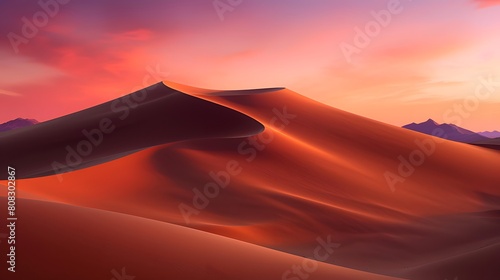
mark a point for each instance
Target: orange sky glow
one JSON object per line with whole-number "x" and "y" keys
{"x": 396, "y": 61}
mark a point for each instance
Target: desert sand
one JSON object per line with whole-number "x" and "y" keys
{"x": 284, "y": 170}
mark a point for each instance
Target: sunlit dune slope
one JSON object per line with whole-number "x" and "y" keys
{"x": 315, "y": 171}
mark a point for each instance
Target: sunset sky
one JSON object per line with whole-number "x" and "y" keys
{"x": 426, "y": 61}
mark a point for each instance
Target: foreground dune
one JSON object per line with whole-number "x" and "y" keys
{"x": 57, "y": 241}
{"x": 314, "y": 172}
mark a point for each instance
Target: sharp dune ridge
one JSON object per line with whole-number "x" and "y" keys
{"x": 305, "y": 170}
{"x": 153, "y": 116}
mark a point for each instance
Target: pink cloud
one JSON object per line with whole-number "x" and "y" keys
{"x": 93, "y": 68}
{"x": 134, "y": 35}
{"x": 487, "y": 3}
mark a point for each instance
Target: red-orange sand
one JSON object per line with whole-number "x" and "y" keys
{"x": 314, "y": 172}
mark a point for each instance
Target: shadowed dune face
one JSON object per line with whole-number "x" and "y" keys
{"x": 314, "y": 171}
{"x": 490, "y": 143}
{"x": 152, "y": 116}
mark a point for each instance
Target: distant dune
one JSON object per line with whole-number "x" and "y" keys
{"x": 198, "y": 158}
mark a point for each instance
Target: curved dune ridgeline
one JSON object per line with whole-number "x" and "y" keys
{"x": 268, "y": 167}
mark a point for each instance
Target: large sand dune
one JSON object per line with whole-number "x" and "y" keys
{"x": 155, "y": 115}
{"x": 314, "y": 172}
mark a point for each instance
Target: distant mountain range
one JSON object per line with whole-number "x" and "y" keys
{"x": 490, "y": 134}
{"x": 17, "y": 123}
{"x": 448, "y": 131}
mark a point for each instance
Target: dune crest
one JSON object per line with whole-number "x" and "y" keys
{"x": 313, "y": 171}
{"x": 152, "y": 116}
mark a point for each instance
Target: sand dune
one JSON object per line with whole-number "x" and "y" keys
{"x": 58, "y": 241}
{"x": 315, "y": 171}
{"x": 490, "y": 143}
{"x": 153, "y": 116}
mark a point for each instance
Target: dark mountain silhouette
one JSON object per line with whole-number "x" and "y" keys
{"x": 490, "y": 134}
{"x": 17, "y": 123}
{"x": 493, "y": 143}
{"x": 447, "y": 131}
